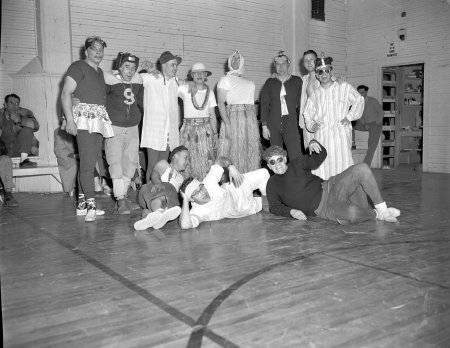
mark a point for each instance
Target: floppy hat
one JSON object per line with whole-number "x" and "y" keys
{"x": 200, "y": 67}
{"x": 166, "y": 56}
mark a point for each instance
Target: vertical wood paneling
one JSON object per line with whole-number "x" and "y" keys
{"x": 18, "y": 40}
{"x": 197, "y": 30}
{"x": 43, "y": 91}
{"x": 330, "y": 36}
{"x": 372, "y": 25}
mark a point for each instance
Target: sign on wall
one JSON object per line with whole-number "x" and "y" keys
{"x": 392, "y": 50}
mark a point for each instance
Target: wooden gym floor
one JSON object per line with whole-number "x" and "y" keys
{"x": 261, "y": 281}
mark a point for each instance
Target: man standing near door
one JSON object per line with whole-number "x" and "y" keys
{"x": 371, "y": 121}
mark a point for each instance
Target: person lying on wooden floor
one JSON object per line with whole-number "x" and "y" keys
{"x": 295, "y": 192}
{"x": 223, "y": 193}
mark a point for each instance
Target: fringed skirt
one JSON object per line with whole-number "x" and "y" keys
{"x": 93, "y": 118}
{"x": 243, "y": 145}
{"x": 197, "y": 135}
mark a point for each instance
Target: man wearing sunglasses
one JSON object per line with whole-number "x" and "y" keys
{"x": 328, "y": 114}
{"x": 223, "y": 193}
{"x": 295, "y": 192}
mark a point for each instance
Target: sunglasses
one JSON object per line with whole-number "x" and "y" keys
{"x": 278, "y": 160}
{"x": 320, "y": 72}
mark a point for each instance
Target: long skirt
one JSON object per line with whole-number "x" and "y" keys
{"x": 197, "y": 135}
{"x": 243, "y": 145}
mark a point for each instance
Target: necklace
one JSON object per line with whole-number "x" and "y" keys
{"x": 194, "y": 102}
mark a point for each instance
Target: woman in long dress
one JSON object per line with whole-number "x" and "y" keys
{"x": 199, "y": 130}
{"x": 239, "y": 138}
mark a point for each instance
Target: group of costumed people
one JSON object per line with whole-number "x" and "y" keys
{"x": 108, "y": 106}
{"x": 103, "y": 109}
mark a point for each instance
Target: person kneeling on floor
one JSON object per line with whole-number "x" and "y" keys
{"x": 159, "y": 198}
{"x": 212, "y": 201}
{"x": 295, "y": 192}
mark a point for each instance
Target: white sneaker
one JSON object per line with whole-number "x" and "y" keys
{"x": 83, "y": 212}
{"x": 90, "y": 215}
{"x": 149, "y": 221}
{"x": 394, "y": 212}
{"x": 168, "y": 215}
{"x": 92, "y": 211}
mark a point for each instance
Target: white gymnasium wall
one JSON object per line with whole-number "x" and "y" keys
{"x": 18, "y": 41}
{"x": 373, "y": 25}
{"x": 197, "y": 30}
{"x": 330, "y": 37}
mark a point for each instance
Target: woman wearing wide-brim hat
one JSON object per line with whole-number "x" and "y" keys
{"x": 199, "y": 130}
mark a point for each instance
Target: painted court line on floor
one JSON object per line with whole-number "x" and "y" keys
{"x": 195, "y": 340}
{"x": 200, "y": 327}
{"x": 172, "y": 311}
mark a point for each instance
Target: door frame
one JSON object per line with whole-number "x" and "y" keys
{"x": 400, "y": 61}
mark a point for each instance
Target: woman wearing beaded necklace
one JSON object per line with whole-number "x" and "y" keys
{"x": 239, "y": 138}
{"x": 199, "y": 130}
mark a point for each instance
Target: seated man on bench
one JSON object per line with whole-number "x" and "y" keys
{"x": 17, "y": 126}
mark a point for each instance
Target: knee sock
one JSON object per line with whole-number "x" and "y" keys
{"x": 97, "y": 184}
{"x": 126, "y": 184}
{"x": 119, "y": 188}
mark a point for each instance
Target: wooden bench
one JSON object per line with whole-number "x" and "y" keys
{"x": 37, "y": 171}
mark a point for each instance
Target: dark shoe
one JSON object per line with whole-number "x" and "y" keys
{"x": 27, "y": 164}
{"x": 122, "y": 207}
{"x": 131, "y": 205}
{"x": 10, "y": 201}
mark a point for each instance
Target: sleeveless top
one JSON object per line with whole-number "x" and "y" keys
{"x": 172, "y": 177}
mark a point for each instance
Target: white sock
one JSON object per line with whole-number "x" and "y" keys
{"x": 126, "y": 183}
{"x": 118, "y": 188}
{"x": 97, "y": 183}
{"x": 23, "y": 156}
{"x": 381, "y": 206}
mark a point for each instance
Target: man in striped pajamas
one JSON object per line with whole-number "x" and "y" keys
{"x": 328, "y": 114}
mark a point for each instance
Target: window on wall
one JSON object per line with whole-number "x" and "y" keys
{"x": 318, "y": 10}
